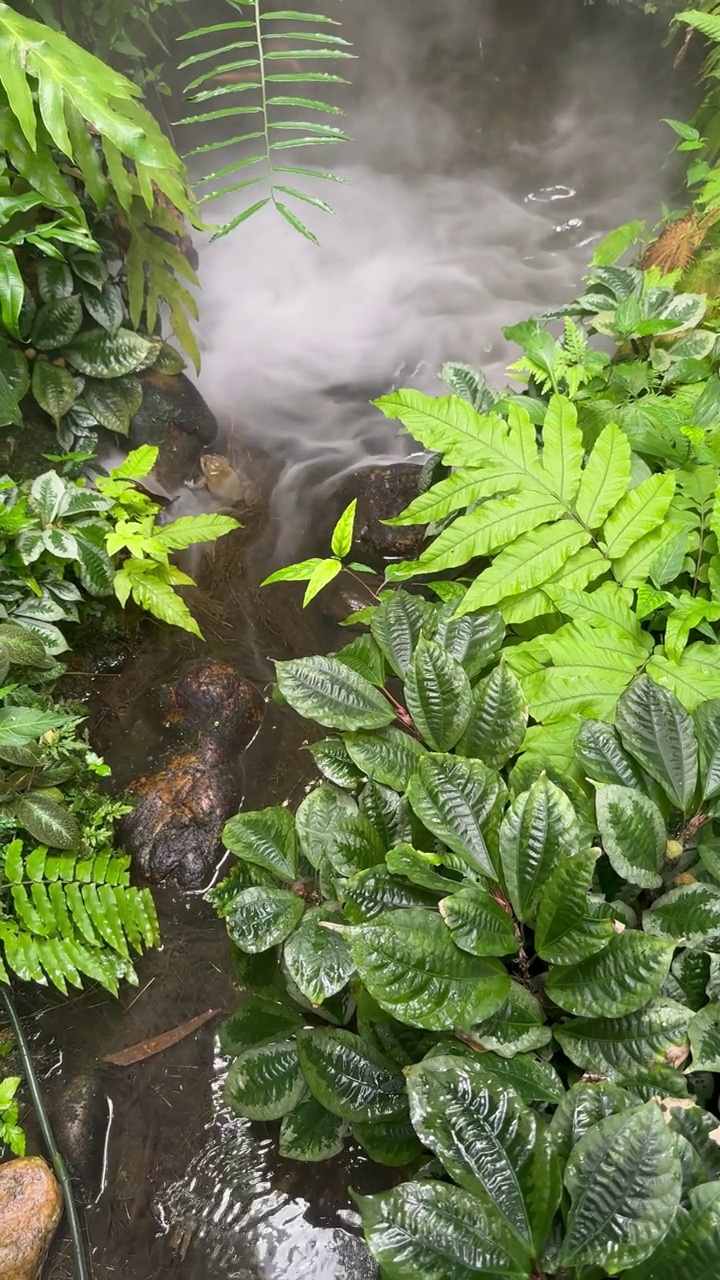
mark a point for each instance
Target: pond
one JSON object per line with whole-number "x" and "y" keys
{"x": 494, "y": 141}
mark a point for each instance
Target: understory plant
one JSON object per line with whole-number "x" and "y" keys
{"x": 457, "y": 956}
{"x": 92, "y": 207}
{"x": 65, "y": 541}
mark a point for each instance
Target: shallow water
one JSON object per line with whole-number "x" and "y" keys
{"x": 493, "y": 145}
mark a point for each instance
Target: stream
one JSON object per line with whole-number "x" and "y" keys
{"x": 494, "y": 142}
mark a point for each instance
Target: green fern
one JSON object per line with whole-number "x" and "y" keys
{"x": 248, "y": 89}
{"x": 66, "y": 916}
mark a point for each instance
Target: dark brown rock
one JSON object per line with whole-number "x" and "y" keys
{"x": 173, "y": 833}
{"x": 31, "y": 1206}
{"x": 174, "y": 417}
{"x": 383, "y": 490}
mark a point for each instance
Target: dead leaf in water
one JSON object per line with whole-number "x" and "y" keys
{"x": 156, "y": 1044}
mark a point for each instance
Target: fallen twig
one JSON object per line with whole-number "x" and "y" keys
{"x": 156, "y": 1044}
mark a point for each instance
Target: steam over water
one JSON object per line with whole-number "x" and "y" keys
{"x": 494, "y": 141}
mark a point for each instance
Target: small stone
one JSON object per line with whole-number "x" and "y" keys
{"x": 31, "y": 1206}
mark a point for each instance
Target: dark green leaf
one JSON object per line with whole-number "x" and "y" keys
{"x": 600, "y": 754}
{"x": 262, "y": 917}
{"x": 47, "y": 821}
{"x": 54, "y": 279}
{"x": 655, "y": 1035}
{"x": 266, "y": 839}
{"x": 103, "y": 355}
{"x": 316, "y": 818}
{"x": 389, "y": 756}
{"x": 53, "y": 387}
{"x": 458, "y": 800}
{"x": 498, "y": 719}
{"x": 265, "y": 1082}
{"x": 625, "y": 1160}
{"x": 57, "y": 323}
{"x": 329, "y": 692}
{"x": 618, "y": 980}
{"x": 349, "y": 1078}
{"x": 568, "y": 929}
{"x": 318, "y": 959}
{"x": 700, "y": 1129}
{"x": 633, "y": 834}
{"x": 705, "y": 1039}
{"x": 690, "y": 913}
{"x": 258, "y": 1020}
{"x": 583, "y": 1106}
{"x": 489, "y": 1142}
{"x": 479, "y": 924}
{"x": 353, "y": 845}
{"x": 473, "y": 640}
{"x": 332, "y": 759}
{"x": 375, "y": 891}
{"x": 389, "y": 1142}
{"x": 538, "y": 831}
{"x": 311, "y": 1133}
{"x": 438, "y": 696}
{"x": 365, "y": 658}
{"x": 410, "y": 965}
{"x": 396, "y": 625}
{"x": 707, "y": 728}
{"x": 518, "y": 1026}
{"x": 439, "y": 1232}
{"x": 691, "y": 1248}
{"x": 659, "y": 733}
{"x": 105, "y": 306}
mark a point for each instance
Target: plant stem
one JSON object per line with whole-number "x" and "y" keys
{"x": 82, "y": 1270}
{"x": 263, "y": 97}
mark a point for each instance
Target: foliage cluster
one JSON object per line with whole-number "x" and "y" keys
{"x": 92, "y": 202}
{"x": 432, "y": 903}
{"x": 64, "y": 540}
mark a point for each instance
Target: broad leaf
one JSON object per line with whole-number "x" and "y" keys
{"x": 489, "y": 1142}
{"x": 47, "y": 821}
{"x": 373, "y": 892}
{"x": 353, "y": 844}
{"x": 599, "y": 753}
{"x": 606, "y": 477}
{"x": 456, "y": 799}
{"x": 53, "y": 387}
{"x": 567, "y": 929}
{"x": 618, "y": 980}
{"x": 479, "y": 924}
{"x": 317, "y": 959}
{"x": 396, "y": 625}
{"x": 538, "y": 830}
{"x": 332, "y": 759}
{"x": 498, "y": 719}
{"x": 265, "y": 1082}
{"x": 365, "y": 658}
{"x": 518, "y": 1026}
{"x": 410, "y": 965}
{"x": 689, "y": 913}
{"x": 705, "y": 1039}
{"x": 655, "y": 1035}
{"x": 311, "y": 1133}
{"x": 438, "y": 696}
{"x": 633, "y": 834}
{"x": 389, "y": 1142}
{"x": 389, "y": 756}
{"x": 262, "y": 917}
{"x": 641, "y": 510}
{"x": 691, "y": 1248}
{"x": 20, "y": 725}
{"x": 707, "y": 728}
{"x": 56, "y": 323}
{"x": 266, "y": 838}
{"x": 563, "y": 448}
{"x": 700, "y": 1129}
{"x": 583, "y": 1106}
{"x": 329, "y": 692}
{"x": 316, "y": 818}
{"x": 100, "y": 354}
{"x": 439, "y": 1232}
{"x": 659, "y": 733}
{"x": 258, "y": 1020}
{"x": 472, "y": 641}
{"x": 527, "y": 563}
{"x": 624, "y": 1180}
{"x": 348, "y": 1077}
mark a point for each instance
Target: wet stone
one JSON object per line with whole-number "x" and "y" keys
{"x": 173, "y": 833}
{"x": 174, "y": 417}
{"x": 383, "y": 491}
{"x": 80, "y": 1118}
{"x": 30, "y": 1209}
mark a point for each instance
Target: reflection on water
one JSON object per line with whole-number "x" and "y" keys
{"x": 495, "y": 140}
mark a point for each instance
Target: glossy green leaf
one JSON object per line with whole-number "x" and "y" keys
{"x": 699, "y": 1129}
{"x": 348, "y": 1077}
{"x": 353, "y": 844}
{"x": 655, "y": 1035}
{"x": 539, "y": 829}
{"x": 365, "y": 658}
{"x": 633, "y": 834}
{"x": 439, "y": 1232}
{"x": 626, "y": 1159}
{"x": 691, "y": 1247}
{"x": 105, "y": 306}
{"x": 419, "y": 867}
{"x": 311, "y": 1133}
{"x": 584, "y": 1105}
{"x": 266, "y": 839}
{"x": 457, "y": 799}
{"x": 316, "y": 817}
{"x": 705, "y": 1039}
{"x": 473, "y": 641}
{"x": 389, "y": 756}
{"x": 438, "y": 696}
{"x": 47, "y": 821}
{"x": 479, "y": 924}
{"x": 373, "y": 892}
{"x": 410, "y": 965}
{"x": 53, "y": 387}
{"x": 262, "y": 917}
{"x": 518, "y": 1026}
{"x": 114, "y": 403}
{"x": 317, "y": 959}
{"x": 396, "y": 625}
{"x": 568, "y": 929}
{"x": 100, "y": 354}
{"x": 327, "y": 691}
{"x": 707, "y": 728}
{"x": 498, "y": 719}
{"x": 618, "y": 980}
{"x": 600, "y": 755}
{"x": 54, "y": 279}
{"x": 332, "y": 759}
{"x": 659, "y": 733}
{"x": 690, "y": 913}
{"x": 57, "y": 323}
{"x": 265, "y": 1082}
{"x": 389, "y": 1142}
{"x": 489, "y": 1142}
{"x": 258, "y": 1020}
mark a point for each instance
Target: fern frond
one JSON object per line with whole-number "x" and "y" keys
{"x": 254, "y": 72}
{"x": 65, "y": 916}
{"x": 470, "y": 384}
